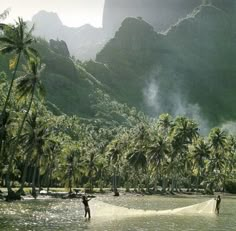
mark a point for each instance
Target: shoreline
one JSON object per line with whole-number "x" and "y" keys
{"x": 60, "y": 193}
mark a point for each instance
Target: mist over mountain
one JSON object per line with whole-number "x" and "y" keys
{"x": 83, "y": 42}
{"x": 161, "y": 14}
{"x": 188, "y": 70}
{"x": 86, "y": 41}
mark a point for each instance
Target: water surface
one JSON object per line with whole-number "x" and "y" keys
{"x": 111, "y": 213}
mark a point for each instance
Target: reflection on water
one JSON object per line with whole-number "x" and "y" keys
{"x": 68, "y": 215}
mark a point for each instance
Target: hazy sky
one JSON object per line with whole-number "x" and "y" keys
{"x": 71, "y": 12}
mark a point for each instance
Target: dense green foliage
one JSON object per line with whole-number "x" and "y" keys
{"x": 116, "y": 145}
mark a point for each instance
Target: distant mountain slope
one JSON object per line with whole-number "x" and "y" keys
{"x": 190, "y": 69}
{"x": 161, "y": 14}
{"x": 83, "y": 42}
{"x": 68, "y": 85}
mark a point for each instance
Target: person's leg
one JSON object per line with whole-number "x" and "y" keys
{"x": 85, "y": 212}
{"x": 89, "y": 215}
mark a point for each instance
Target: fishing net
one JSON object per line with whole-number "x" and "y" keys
{"x": 102, "y": 209}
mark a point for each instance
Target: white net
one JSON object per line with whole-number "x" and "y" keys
{"x": 101, "y": 209}
{"x": 207, "y": 207}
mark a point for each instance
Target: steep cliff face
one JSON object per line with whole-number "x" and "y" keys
{"x": 189, "y": 67}
{"x": 159, "y": 13}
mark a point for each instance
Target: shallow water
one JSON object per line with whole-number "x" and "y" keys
{"x": 111, "y": 213}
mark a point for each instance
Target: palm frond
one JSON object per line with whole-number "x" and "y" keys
{"x": 33, "y": 52}
{"x": 29, "y": 33}
{"x": 7, "y": 49}
{"x": 6, "y": 40}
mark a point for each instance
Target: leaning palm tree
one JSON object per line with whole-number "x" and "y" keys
{"x": 18, "y": 41}
{"x": 27, "y": 86}
{"x": 15, "y": 40}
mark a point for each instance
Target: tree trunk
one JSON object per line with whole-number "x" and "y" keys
{"x": 172, "y": 185}
{"x": 20, "y": 190}
{"x": 14, "y": 146}
{"x": 49, "y": 179}
{"x": 10, "y": 192}
{"x": 164, "y": 184}
{"x": 34, "y": 194}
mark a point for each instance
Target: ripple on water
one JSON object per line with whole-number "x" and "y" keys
{"x": 50, "y": 215}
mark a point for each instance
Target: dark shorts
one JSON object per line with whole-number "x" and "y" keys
{"x": 87, "y": 209}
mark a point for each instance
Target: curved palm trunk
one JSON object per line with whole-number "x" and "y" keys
{"x": 10, "y": 192}
{"x": 11, "y": 84}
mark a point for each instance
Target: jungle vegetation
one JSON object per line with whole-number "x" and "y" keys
{"x": 118, "y": 147}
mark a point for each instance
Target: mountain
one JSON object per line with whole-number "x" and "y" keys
{"x": 161, "y": 14}
{"x": 83, "y": 42}
{"x": 188, "y": 70}
{"x": 69, "y": 87}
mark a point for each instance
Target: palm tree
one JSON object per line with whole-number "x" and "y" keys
{"x": 157, "y": 152}
{"x": 35, "y": 142}
{"x": 164, "y": 124}
{"x": 217, "y": 140}
{"x": 184, "y": 131}
{"x": 201, "y": 152}
{"x": 27, "y": 86}
{"x": 114, "y": 154}
{"x": 15, "y": 39}
{"x": 231, "y": 156}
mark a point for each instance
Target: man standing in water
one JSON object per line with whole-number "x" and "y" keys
{"x": 85, "y": 201}
{"x": 218, "y": 200}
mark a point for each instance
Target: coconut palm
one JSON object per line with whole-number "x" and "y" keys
{"x": 35, "y": 142}
{"x": 157, "y": 152}
{"x": 114, "y": 154}
{"x": 201, "y": 152}
{"x": 16, "y": 39}
{"x": 164, "y": 124}
{"x": 26, "y": 86}
{"x": 217, "y": 140}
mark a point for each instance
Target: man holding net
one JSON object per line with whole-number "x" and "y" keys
{"x": 218, "y": 200}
